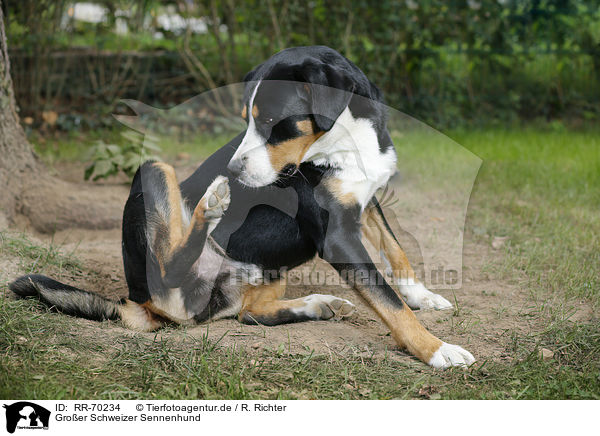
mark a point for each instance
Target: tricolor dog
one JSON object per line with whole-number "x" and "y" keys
{"x": 302, "y": 180}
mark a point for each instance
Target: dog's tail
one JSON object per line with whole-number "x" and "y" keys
{"x": 66, "y": 299}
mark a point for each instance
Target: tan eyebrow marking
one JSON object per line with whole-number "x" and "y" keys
{"x": 293, "y": 150}
{"x": 305, "y": 126}
{"x": 254, "y": 111}
{"x": 244, "y": 112}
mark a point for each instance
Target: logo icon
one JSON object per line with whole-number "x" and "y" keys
{"x": 26, "y": 415}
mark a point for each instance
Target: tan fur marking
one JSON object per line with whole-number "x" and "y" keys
{"x": 137, "y": 317}
{"x": 265, "y": 300}
{"x": 255, "y": 111}
{"x": 159, "y": 314}
{"x": 305, "y": 126}
{"x": 334, "y": 186}
{"x": 174, "y": 199}
{"x": 197, "y": 221}
{"x": 408, "y": 331}
{"x": 177, "y": 235}
{"x": 292, "y": 151}
{"x": 196, "y": 224}
{"x": 244, "y": 112}
{"x": 377, "y": 233}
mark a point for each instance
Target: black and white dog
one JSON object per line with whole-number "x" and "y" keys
{"x": 304, "y": 177}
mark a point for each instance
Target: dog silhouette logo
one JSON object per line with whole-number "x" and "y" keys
{"x": 26, "y": 415}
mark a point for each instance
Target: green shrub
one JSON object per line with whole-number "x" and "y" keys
{"x": 109, "y": 159}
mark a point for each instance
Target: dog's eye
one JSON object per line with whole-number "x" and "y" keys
{"x": 268, "y": 120}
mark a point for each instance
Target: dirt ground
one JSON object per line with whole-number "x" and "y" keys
{"x": 488, "y": 309}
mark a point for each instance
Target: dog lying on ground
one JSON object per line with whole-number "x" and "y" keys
{"x": 304, "y": 177}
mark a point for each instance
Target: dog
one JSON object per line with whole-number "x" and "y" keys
{"x": 303, "y": 181}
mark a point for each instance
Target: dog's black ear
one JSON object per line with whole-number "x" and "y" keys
{"x": 248, "y": 80}
{"x": 331, "y": 95}
{"x": 250, "y": 75}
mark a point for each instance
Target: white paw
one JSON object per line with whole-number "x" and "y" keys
{"x": 418, "y": 296}
{"x": 217, "y": 198}
{"x": 327, "y": 307}
{"x": 451, "y": 355}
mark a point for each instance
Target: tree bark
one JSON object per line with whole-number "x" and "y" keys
{"x": 26, "y": 187}
{"x": 16, "y": 158}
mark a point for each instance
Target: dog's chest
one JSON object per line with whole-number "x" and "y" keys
{"x": 351, "y": 147}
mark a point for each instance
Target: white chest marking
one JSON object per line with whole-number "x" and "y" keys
{"x": 352, "y": 146}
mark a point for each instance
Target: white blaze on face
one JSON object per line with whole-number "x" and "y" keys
{"x": 257, "y": 170}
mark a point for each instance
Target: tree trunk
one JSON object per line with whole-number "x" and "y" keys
{"x": 26, "y": 188}
{"x": 16, "y": 158}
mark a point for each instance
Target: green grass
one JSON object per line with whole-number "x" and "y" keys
{"x": 67, "y": 364}
{"x": 118, "y": 366}
{"x": 538, "y": 186}
{"x": 542, "y": 189}
{"x": 36, "y": 257}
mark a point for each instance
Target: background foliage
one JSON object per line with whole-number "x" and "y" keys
{"x": 445, "y": 62}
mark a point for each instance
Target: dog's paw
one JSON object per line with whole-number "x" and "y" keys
{"x": 325, "y": 307}
{"x": 449, "y": 355}
{"x": 216, "y": 199}
{"x": 418, "y": 296}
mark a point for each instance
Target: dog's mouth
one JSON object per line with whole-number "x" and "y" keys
{"x": 288, "y": 171}
{"x": 285, "y": 174}
{"x": 249, "y": 181}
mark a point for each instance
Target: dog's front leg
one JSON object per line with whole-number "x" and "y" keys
{"x": 344, "y": 250}
{"x": 376, "y": 229}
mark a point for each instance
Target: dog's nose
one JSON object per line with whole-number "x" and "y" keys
{"x": 236, "y": 166}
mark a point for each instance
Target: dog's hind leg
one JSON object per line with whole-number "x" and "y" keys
{"x": 175, "y": 238}
{"x": 376, "y": 229}
{"x": 263, "y": 305}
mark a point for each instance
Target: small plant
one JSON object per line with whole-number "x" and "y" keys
{"x": 109, "y": 159}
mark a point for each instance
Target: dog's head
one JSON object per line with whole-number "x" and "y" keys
{"x": 287, "y": 107}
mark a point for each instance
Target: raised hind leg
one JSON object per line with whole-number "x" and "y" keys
{"x": 174, "y": 239}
